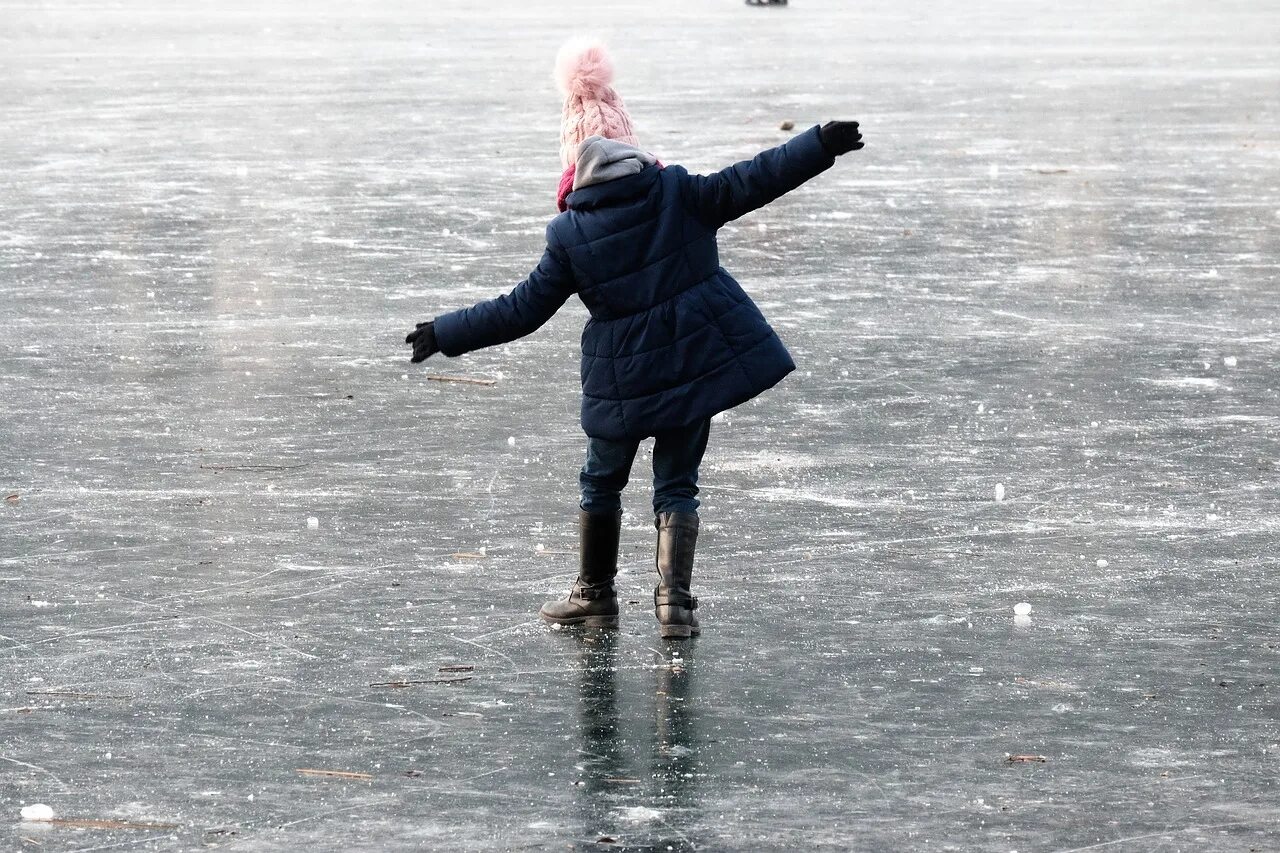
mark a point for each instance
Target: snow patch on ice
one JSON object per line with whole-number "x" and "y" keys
{"x": 1156, "y": 757}
{"x": 37, "y": 811}
{"x": 775, "y": 493}
{"x": 639, "y": 814}
{"x": 1188, "y": 381}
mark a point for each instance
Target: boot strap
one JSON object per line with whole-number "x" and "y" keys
{"x": 674, "y": 599}
{"x": 592, "y": 592}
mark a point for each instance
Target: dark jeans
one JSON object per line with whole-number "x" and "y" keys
{"x": 676, "y": 456}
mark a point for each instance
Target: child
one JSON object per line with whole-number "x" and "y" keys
{"x": 672, "y": 338}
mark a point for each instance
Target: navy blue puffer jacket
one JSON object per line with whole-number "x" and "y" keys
{"x": 672, "y": 337}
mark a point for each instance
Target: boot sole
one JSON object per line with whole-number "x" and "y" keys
{"x": 584, "y": 621}
{"x": 678, "y": 632}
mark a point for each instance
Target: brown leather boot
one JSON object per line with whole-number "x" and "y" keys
{"x": 673, "y": 605}
{"x": 593, "y": 601}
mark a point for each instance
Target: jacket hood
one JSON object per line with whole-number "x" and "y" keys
{"x": 601, "y": 160}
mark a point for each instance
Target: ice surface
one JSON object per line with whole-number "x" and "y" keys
{"x": 219, "y": 220}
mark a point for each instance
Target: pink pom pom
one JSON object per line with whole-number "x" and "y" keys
{"x": 584, "y": 68}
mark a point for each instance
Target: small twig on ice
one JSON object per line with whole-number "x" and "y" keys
{"x": 398, "y": 684}
{"x": 468, "y": 380}
{"x": 106, "y": 824}
{"x": 335, "y": 774}
{"x": 252, "y": 467}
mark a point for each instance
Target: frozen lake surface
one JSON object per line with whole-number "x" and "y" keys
{"x": 1052, "y": 271}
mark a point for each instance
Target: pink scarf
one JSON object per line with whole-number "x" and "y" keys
{"x": 566, "y": 187}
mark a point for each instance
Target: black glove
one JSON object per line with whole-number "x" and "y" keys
{"x": 423, "y": 339}
{"x": 840, "y": 137}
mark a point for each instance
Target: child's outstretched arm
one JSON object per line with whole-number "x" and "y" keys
{"x": 751, "y": 184}
{"x": 503, "y": 319}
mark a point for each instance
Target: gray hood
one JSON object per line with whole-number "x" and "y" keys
{"x": 601, "y": 160}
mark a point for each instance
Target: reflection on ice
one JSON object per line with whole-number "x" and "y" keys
{"x": 634, "y": 774}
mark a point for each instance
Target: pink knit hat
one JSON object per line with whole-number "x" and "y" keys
{"x": 584, "y": 74}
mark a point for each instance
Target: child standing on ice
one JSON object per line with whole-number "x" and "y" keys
{"x": 672, "y": 338}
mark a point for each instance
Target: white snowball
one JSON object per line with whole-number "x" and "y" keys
{"x": 1022, "y": 608}
{"x": 1102, "y": 564}
{"x": 313, "y": 523}
{"x": 38, "y": 811}
{"x": 1230, "y": 361}
{"x": 999, "y": 491}
{"x": 511, "y": 440}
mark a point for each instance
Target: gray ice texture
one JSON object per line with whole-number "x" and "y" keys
{"x": 1052, "y": 270}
